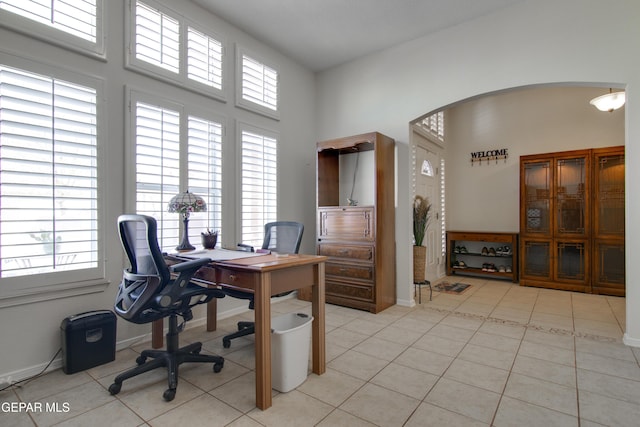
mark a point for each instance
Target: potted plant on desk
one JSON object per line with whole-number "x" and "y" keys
{"x": 421, "y": 211}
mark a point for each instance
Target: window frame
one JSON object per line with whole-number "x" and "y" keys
{"x": 24, "y": 289}
{"x": 134, "y": 95}
{"x": 181, "y": 78}
{"x": 58, "y": 37}
{"x": 246, "y": 104}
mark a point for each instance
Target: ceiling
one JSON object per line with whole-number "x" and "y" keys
{"x": 320, "y": 34}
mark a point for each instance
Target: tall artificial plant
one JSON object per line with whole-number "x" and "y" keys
{"x": 421, "y": 211}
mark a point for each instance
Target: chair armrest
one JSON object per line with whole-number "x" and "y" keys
{"x": 186, "y": 270}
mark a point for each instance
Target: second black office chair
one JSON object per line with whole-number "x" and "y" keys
{"x": 148, "y": 293}
{"x": 280, "y": 237}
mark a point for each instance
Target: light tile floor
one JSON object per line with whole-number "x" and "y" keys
{"x": 498, "y": 354}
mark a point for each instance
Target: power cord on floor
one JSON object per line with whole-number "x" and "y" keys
{"x": 36, "y": 375}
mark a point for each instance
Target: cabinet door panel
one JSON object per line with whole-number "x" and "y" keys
{"x": 609, "y": 267}
{"x": 536, "y": 191}
{"x": 346, "y": 223}
{"x": 571, "y": 261}
{"x": 536, "y": 257}
{"x": 571, "y": 196}
{"x": 609, "y": 195}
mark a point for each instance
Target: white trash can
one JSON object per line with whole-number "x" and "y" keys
{"x": 290, "y": 341}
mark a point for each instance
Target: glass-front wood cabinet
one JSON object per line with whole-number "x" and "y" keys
{"x": 572, "y": 220}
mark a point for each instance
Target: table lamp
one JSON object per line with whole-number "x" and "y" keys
{"x": 184, "y": 204}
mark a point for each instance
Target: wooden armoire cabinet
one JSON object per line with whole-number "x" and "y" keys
{"x": 572, "y": 221}
{"x": 358, "y": 239}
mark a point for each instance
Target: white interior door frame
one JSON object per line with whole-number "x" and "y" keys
{"x": 426, "y": 181}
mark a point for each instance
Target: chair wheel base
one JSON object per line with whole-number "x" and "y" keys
{"x": 226, "y": 343}
{"x": 115, "y": 388}
{"x": 169, "y": 394}
{"x": 217, "y": 367}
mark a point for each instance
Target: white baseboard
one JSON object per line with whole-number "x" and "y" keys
{"x": 631, "y": 342}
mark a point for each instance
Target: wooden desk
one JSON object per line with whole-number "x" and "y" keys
{"x": 266, "y": 276}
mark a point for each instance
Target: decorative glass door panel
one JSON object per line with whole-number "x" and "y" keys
{"x": 537, "y": 194}
{"x": 537, "y": 259}
{"x": 609, "y": 193}
{"x": 571, "y": 196}
{"x": 571, "y": 261}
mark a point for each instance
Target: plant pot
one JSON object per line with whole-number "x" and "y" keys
{"x": 419, "y": 263}
{"x": 209, "y": 240}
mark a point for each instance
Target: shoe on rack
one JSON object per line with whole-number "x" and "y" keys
{"x": 491, "y": 268}
{"x": 463, "y": 250}
{"x": 456, "y": 264}
{"x": 508, "y": 269}
{"x": 507, "y": 251}
{"x": 492, "y": 252}
{"x": 484, "y": 267}
{"x": 502, "y": 269}
{"x": 499, "y": 251}
{"x": 485, "y": 251}
{"x": 456, "y": 250}
{"x": 461, "y": 264}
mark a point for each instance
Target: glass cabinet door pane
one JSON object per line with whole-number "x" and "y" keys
{"x": 610, "y": 268}
{"x": 537, "y": 178}
{"x": 610, "y": 195}
{"x": 537, "y": 259}
{"x": 571, "y": 260}
{"x": 570, "y": 195}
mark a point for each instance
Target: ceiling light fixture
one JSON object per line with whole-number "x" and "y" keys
{"x": 609, "y": 102}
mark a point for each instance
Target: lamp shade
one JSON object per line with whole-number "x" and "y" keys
{"x": 185, "y": 203}
{"x": 609, "y": 102}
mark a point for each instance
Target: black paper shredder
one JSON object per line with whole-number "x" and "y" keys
{"x": 88, "y": 340}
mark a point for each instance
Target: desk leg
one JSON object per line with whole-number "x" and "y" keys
{"x": 212, "y": 315}
{"x": 156, "y": 333}
{"x": 318, "y": 328}
{"x": 262, "y": 306}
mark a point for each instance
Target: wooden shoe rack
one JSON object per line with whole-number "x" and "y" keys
{"x": 470, "y": 260}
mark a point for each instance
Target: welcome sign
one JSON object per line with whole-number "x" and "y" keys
{"x": 479, "y": 156}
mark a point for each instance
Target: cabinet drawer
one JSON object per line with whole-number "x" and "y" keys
{"x": 362, "y": 272}
{"x": 349, "y": 290}
{"x": 360, "y": 253}
{"x": 346, "y": 223}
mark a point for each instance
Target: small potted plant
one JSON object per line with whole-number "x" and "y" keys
{"x": 209, "y": 239}
{"x": 421, "y": 211}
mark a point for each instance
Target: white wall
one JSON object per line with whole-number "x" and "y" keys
{"x": 527, "y": 121}
{"x": 534, "y": 42}
{"x": 30, "y": 333}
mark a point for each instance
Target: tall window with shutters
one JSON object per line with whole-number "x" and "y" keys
{"x": 48, "y": 174}
{"x": 166, "y": 136}
{"x": 259, "y": 177}
{"x": 74, "y": 24}
{"x": 164, "y": 44}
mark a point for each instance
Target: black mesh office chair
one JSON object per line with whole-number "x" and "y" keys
{"x": 279, "y": 237}
{"x": 147, "y": 293}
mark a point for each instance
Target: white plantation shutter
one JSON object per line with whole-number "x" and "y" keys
{"x": 259, "y": 185}
{"x": 259, "y": 83}
{"x": 157, "y": 145}
{"x": 75, "y": 17}
{"x": 434, "y": 124}
{"x": 48, "y": 174}
{"x": 157, "y": 38}
{"x": 204, "y": 59}
{"x": 205, "y": 174}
